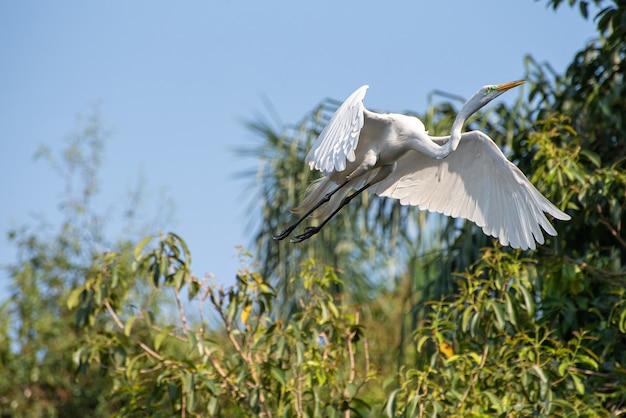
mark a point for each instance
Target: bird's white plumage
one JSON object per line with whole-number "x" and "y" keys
{"x": 475, "y": 182}
{"x": 464, "y": 175}
{"x": 339, "y": 139}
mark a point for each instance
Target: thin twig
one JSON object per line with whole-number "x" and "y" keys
{"x": 120, "y": 324}
{"x": 366, "y": 352}
{"x": 248, "y": 360}
{"x": 588, "y": 372}
{"x": 170, "y": 334}
{"x": 483, "y": 360}
{"x": 116, "y": 318}
{"x": 613, "y": 231}
{"x": 298, "y": 403}
{"x": 588, "y": 267}
{"x": 183, "y": 406}
{"x": 608, "y": 226}
{"x": 181, "y": 310}
{"x": 214, "y": 362}
{"x": 351, "y": 357}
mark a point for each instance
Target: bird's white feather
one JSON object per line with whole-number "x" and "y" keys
{"x": 339, "y": 139}
{"x": 475, "y": 182}
{"x": 461, "y": 175}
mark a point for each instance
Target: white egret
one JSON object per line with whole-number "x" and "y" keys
{"x": 463, "y": 175}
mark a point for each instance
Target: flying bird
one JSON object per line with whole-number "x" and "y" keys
{"x": 462, "y": 175}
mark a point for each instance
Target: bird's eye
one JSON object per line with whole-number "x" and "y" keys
{"x": 489, "y": 89}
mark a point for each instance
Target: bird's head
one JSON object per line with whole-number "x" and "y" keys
{"x": 487, "y": 93}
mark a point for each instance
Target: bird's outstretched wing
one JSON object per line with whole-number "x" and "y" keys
{"x": 478, "y": 183}
{"x": 339, "y": 139}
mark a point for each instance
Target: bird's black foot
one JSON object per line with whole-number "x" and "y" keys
{"x": 309, "y": 231}
{"x": 282, "y": 235}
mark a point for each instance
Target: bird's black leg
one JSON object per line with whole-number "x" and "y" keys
{"x": 293, "y": 226}
{"x": 309, "y": 231}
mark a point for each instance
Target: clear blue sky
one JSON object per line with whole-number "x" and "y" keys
{"x": 176, "y": 79}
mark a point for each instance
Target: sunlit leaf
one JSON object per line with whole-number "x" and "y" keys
{"x": 140, "y": 247}
{"x": 161, "y": 336}
{"x": 129, "y": 325}
{"x": 74, "y": 297}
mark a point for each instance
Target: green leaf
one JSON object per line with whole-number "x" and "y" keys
{"x": 360, "y": 407}
{"x": 130, "y": 367}
{"x": 499, "y": 314}
{"x": 390, "y": 407}
{"x": 160, "y": 337}
{"x": 73, "y": 299}
{"x": 421, "y": 342}
{"x": 333, "y": 309}
{"x": 592, "y": 157}
{"x": 193, "y": 342}
{"x": 466, "y": 317}
{"x": 413, "y": 405}
{"x": 140, "y": 246}
{"x": 212, "y": 406}
{"x": 156, "y": 273}
{"x": 583, "y": 358}
{"x": 179, "y": 278}
{"x": 583, "y": 7}
{"x": 194, "y": 288}
{"x": 563, "y": 404}
{"x": 622, "y": 322}
{"x": 190, "y": 393}
{"x": 578, "y": 384}
{"x": 172, "y": 391}
{"x": 563, "y": 368}
{"x": 510, "y": 309}
{"x": 528, "y": 300}
{"x": 184, "y": 245}
{"x": 279, "y": 374}
{"x": 494, "y": 400}
{"x": 266, "y": 289}
{"x": 129, "y": 325}
{"x": 474, "y": 323}
{"x": 539, "y": 373}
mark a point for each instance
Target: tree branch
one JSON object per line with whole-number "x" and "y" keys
{"x": 120, "y": 324}
{"x": 483, "y": 360}
{"x": 181, "y": 310}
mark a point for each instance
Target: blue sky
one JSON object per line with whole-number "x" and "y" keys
{"x": 175, "y": 84}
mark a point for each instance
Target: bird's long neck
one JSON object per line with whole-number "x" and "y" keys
{"x": 457, "y": 128}
{"x": 451, "y": 142}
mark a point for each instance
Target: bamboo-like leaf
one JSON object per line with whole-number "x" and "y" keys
{"x": 74, "y": 297}
{"x": 278, "y": 374}
{"x": 161, "y": 336}
{"x": 528, "y": 300}
{"x": 140, "y": 247}
{"x": 622, "y": 322}
{"x": 498, "y": 313}
{"x": 578, "y": 384}
{"x": 129, "y": 325}
{"x": 510, "y": 309}
{"x": 192, "y": 340}
{"x": 467, "y": 315}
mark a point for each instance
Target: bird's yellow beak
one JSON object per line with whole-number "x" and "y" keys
{"x": 508, "y": 86}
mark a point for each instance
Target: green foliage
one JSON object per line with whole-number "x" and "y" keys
{"x": 36, "y": 332}
{"x": 246, "y": 363}
{"x": 490, "y": 349}
{"x": 503, "y": 344}
{"x": 419, "y": 315}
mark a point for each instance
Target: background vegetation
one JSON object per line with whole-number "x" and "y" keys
{"x": 390, "y": 312}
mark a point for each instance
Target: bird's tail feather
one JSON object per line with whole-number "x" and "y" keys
{"x": 316, "y": 192}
